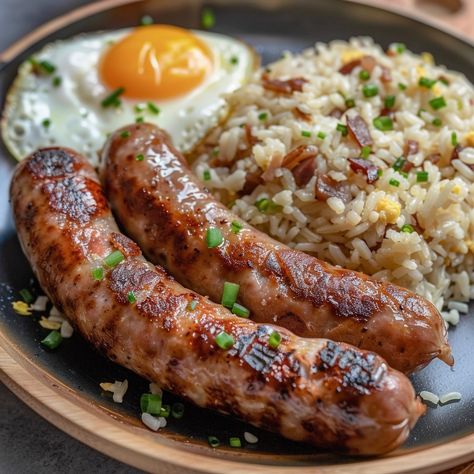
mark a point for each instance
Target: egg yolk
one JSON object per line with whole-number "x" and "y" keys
{"x": 156, "y": 62}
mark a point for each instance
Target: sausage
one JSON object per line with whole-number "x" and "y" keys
{"x": 167, "y": 211}
{"x": 329, "y": 394}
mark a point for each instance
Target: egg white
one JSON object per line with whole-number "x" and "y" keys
{"x": 74, "y": 111}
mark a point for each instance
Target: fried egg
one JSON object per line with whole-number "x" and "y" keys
{"x": 75, "y": 92}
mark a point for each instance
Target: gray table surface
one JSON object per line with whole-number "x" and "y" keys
{"x": 29, "y": 444}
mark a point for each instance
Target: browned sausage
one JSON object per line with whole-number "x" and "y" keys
{"x": 167, "y": 211}
{"x": 329, "y": 394}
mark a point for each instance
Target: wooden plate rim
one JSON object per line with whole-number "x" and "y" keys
{"x": 92, "y": 426}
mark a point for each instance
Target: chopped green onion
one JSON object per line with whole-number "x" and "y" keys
{"x": 114, "y": 258}
{"x": 366, "y": 151}
{"x": 206, "y": 175}
{"x": 45, "y": 66}
{"x": 394, "y": 182}
{"x": 236, "y": 227}
{"x": 139, "y": 108}
{"x": 177, "y": 410}
{"x": 350, "y": 103}
{"x": 444, "y": 81}
{"x": 305, "y": 133}
{"x": 389, "y": 101}
{"x": 370, "y": 90}
{"x": 229, "y": 294}
{"x": 437, "y": 122}
{"x": 98, "y": 273}
{"x": 224, "y": 341}
{"x": 240, "y": 310}
{"x": 342, "y": 128}
{"x": 146, "y": 20}
{"x": 364, "y": 75}
{"x": 262, "y": 116}
{"x": 150, "y": 403}
{"x": 26, "y": 296}
{"x": 379, "y": 172}
{"x": 213, "y": 441}
{"x": 208, "y": 19}
{"x": 321, "y": 135}
{"x": 46, "y": 123}
{"x": 214, "y": 237}
{"x": 262, "y": 204}
{"x": 131, "y": 297}
{"x": 426, "y": 82}
{"x": 235, "y": 442}
{"x": 274, "y": 339}
{"x": 404, "y": 174}
{"x": 165, "y": 411}
{"x": 192, "y": 305}
{"x": 383, "y": 123}
{"x": 52, "y": 340}
{"x": 407, "y": 228}
{"x": 125, "y": 134}
{"x": 215, "y": 152}
{"x": 422, "y": 176}
{"x": 153, "y": 108}
{"x": 402, "y": 86}
{"x": 400, "y": 48}
{"x": 398, "y": 165}
{"x": 438, "y": 103}
{"x": 140, "y": 157}
{"x": 113, "y": 98}
{"x": 139, "y": 120}
{"x": 57, "y": 80}
{"x": 234, "y": 60}
{"x": 454, "y": 139}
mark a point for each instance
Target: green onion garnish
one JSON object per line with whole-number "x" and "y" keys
{"x": 46, "y": 123}
{"x": 206, "y": 175}
{"x": 52, "y": 340}
{"x": 208, "y": 19}
{"x": 98, "y": 273}
{"x": 113, "y": 98}
{"x": 235, "y": 442}
{"x": 321, "y": 135}
{"x": 165, "y": 411}
{"x": 262, "y": 116}
{"x": 240, "y": 310}
{"x": 224, "y": 341}
{"x": 342, "y": 128}
{"x": 177, "y": 410}
{"x": 139, "y": 108}
{"x": 350, "y": 103}
{"x": 422, "y": 176}
{"x": 146, "y": 20}
{"x": 150, "y": 403}
{"x": 389, "y": 101}
{"x": 398, "y": 165}
{"x": 215, "y": 152}
{"x": 379, "y": 172}
{"x": 214, "y": 237}
{"x": 140, "y": 157}
{"x": 402, "y": 86}
{"x": 383, "y": 123}
{"x": 213, "y": 441}
{"x": 234, "y": 60}
{"x": 236, "y": 227}
{"x": 46, "y": 67}
{"x": 366, "y": 151}
{"x": 192, "y": 305}
{"x": 114, "y": 258}
{"x": 400, "y": 48}
{"x": 364, "y": 75}
{"x": 125, "y": 134}
{"x": 57, "y": 80}
{"x": 437, "y": 122}
{"x": 394, "y": 182}
{"x": 139, "y": 120}
{"x": 404, "y": 174}
{"x": 229, "y": 294}
{"x": 305, "y": 133}
{"x": 454, "y": 139}
{"x": 370, "y": 90}
{"x": 153, "y": 108}
{"x": 274, "y": 339}
{"x": 437, "y": 103}
{"x": 26, "y": 296}
{"x": 131, "y": 297}
{"x": 407, "y": 228}
{"x": 426, "y": 82}
{"x": 262, "y": 204}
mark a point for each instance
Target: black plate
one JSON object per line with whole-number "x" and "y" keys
{"x": 271, "y": 27}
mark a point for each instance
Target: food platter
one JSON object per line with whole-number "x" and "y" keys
{"x": 63, "y": 386}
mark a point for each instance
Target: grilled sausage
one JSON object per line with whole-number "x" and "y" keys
{"x": 167, "y": 211}
{"x": 329, "y": 394}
